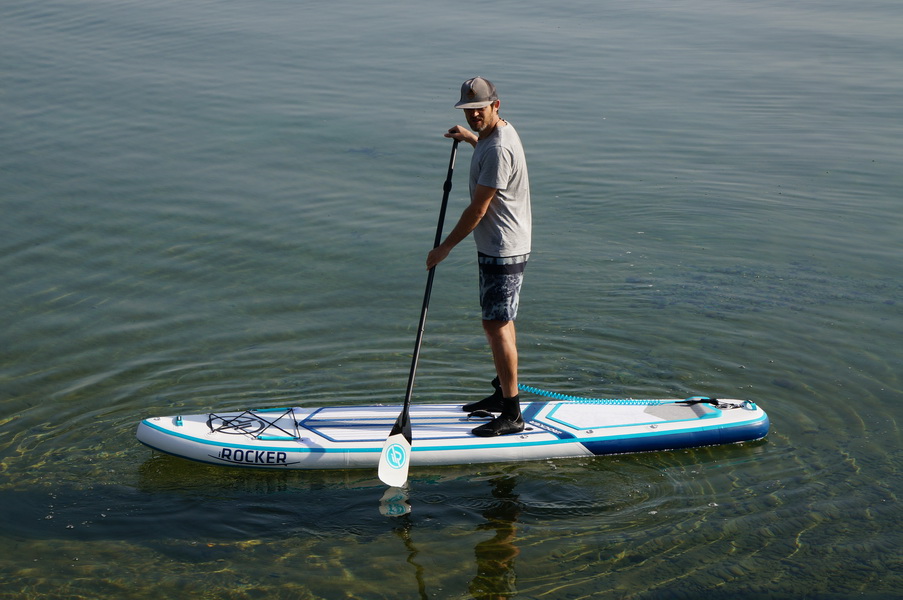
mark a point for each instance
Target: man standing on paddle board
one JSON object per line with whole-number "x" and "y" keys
{"x": 500, "y": 218}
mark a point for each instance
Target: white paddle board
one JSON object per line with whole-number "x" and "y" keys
{"x": 345, "y": 437}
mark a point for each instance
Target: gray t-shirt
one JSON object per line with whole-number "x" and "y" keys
{"x": 498, "y": 162}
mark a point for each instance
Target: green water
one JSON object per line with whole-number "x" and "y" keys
{"x": 226, "y": 204}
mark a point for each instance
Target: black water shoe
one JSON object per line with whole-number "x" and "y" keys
{"x": 491, "y": 403}
{"x": 500, "y": 425}
{"x": 510, "y": 421}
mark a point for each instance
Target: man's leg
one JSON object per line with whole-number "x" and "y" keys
{"x": 500, "y": 283}
{"x": 503, "y": 343}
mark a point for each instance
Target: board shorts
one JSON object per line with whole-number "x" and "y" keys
{"x": 500, "y": 283}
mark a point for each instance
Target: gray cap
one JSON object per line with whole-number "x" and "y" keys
{"x": 477, "y": 93}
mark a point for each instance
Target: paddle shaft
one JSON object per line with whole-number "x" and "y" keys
{"x": 403, "y": 424}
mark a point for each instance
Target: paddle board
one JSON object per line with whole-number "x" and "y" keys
{"x": 345, "y": 437}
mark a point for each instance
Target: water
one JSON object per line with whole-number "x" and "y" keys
{"x": 219, "y": 204}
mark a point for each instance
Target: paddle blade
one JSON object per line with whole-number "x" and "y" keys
{"x": 395, "y": 460}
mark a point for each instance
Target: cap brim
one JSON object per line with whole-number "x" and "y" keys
{"x": 474, "y": 104}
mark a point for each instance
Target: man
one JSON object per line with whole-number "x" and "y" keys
{"x": 500, "y": 218}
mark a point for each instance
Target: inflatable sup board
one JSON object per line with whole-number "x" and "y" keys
{"x": 557, "y": 426}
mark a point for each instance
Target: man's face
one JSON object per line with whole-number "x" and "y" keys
{"x": 481, "y": 118}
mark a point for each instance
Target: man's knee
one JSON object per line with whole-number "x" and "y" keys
{"x": 500, "y": 331}
{"x": 491, "y": 325}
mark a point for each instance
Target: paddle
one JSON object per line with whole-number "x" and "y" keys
{"x": 396, "y": 455}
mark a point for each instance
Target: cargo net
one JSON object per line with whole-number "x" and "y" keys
{"x": 255, "y": 423}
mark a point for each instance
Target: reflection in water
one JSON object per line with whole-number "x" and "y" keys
{"x": 495, "y": 576}
{"x": 404, "y": 532}
{"x": 394, "y": 502}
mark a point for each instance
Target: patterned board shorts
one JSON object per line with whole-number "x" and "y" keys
{"x": 500, "y": 283}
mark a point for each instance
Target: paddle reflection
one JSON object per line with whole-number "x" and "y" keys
{"x": 496, "y": 577}
{"x": 404, "y": 532}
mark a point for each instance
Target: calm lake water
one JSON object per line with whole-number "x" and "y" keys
{"x": 225, "y": 203}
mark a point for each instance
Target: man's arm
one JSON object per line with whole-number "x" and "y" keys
{"x": 470, "y": 218}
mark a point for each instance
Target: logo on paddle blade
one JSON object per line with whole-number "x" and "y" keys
{"x": 396, "y": 456}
